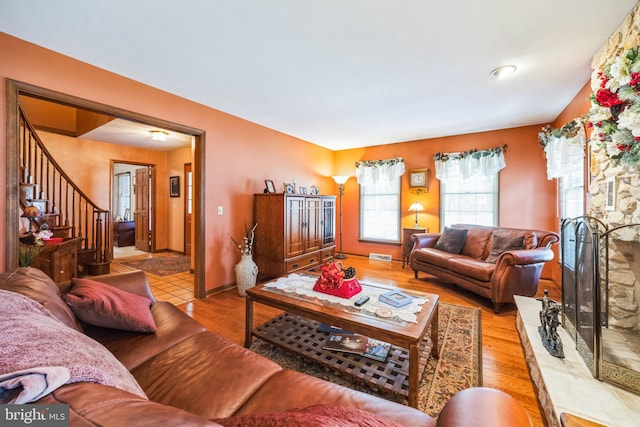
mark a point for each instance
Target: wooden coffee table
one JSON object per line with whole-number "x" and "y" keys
{"x": 406, "y": 335}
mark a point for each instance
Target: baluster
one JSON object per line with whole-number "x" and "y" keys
{"x": 41, "y": 180}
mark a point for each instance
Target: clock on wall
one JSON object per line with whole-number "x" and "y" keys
{"x": 418, "y": 178}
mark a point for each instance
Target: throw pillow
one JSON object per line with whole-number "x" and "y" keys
{"x": 103, "y": 305}
{"x": 451, "y": 240}
{"x": 502, "y": 244}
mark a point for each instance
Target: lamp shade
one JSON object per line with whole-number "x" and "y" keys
{"x": 416, "y": 207}
{"x": 340, "y": 179}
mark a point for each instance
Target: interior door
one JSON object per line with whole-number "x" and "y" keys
{"x": 143, "y": 229}
{"x": 188, "y": 208}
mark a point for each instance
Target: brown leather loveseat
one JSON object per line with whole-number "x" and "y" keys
{"x": 494, "y": 262}
{"x": 187, "y": 376}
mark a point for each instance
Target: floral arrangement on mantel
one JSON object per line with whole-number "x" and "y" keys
{"x": 338, "y": 281}
{"x": 246, "y": 246}
{"x": 615, "y": 107}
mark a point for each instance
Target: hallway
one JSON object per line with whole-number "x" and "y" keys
{"x": 174, "y": 288}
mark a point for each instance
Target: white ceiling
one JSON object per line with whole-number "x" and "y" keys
{"x": 340, "y": 73}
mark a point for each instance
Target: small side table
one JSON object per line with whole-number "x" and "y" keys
{"x": 407, "y": 244}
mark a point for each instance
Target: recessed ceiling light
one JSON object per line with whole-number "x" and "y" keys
{"x": 504, "y": 71}
{"x": 158, "y": 135}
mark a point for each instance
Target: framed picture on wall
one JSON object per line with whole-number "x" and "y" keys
{"x": 174, "y": 186}
{"x": 418, "y": 178}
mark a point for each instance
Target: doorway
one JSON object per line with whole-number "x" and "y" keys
{"x": 16, "y": 89}
{"x": 131, "y": 207}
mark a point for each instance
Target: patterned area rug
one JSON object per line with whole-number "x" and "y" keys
{"x": 459, "y": 365}
{"x": 162, "y": 265}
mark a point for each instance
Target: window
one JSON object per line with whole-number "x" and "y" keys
{"x": 380, "y": 211}
{"x": 472, "y": 200}
{"x": 123, "y": 190}
{"x": 571, "y": 193}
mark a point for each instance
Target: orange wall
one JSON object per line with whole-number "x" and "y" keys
{"x": 526, "y": 197}
{"x": 240, "y": 155}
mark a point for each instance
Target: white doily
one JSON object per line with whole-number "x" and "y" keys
{"x": 303, "y": 285}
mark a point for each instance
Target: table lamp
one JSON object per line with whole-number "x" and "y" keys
{"x": 416, "y": 207}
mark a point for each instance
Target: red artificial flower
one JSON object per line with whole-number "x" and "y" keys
{"x": 608, "y": 99}
{"x": 623, "y": 147}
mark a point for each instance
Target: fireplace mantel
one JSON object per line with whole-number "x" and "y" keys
{"x": 566, "y": 385}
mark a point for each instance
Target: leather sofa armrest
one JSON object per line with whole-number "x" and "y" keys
{"x": 483, "y": 406}
{"x": 524, "y": 257}
{"x": 424, "y": 240}
{"x": 135, "y": 282}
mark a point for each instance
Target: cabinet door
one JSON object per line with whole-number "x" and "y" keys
{"x": 328, "y": 221}
{"x": 295, "y": 226}
{"x": 314, "y": 224}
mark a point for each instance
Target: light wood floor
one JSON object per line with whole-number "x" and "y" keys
{"x": 504, "y": 366}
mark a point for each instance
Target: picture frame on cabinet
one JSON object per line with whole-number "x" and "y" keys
{"x": 302, "y": 190}
{"x": 174, "y": 186}
{"x": 289, "y": 188}
{"x": 271, "y": 188}
{"x": 418, "y": 178}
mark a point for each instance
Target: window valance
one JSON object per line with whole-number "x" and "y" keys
{"x": 372, "y": 171}
{"x": 563, "y": 148}
{"x": 472, "y": 163}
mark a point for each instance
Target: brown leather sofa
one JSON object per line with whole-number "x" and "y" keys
{"x": 515, "y": 272}
{"x": 194, "y": 377}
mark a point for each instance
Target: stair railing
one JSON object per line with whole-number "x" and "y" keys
{"x": 64, "y": 200}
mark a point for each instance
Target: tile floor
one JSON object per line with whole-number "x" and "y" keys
{"x": 174, "y": 288}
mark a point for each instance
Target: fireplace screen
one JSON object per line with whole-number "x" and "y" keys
{"x": 601, "y": 297}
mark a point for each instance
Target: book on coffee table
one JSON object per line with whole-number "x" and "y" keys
{"x": 346, "y": 343}
{"x": 377, "y": 350}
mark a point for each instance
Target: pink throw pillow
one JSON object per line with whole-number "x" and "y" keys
{"x": 104, "y": 305}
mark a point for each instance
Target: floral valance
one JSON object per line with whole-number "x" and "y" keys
{"x": 615, "y": 107}
{"x": 472, "y": 163}
{"x": 563, "y": 148}
{"x": 372, "y": 171}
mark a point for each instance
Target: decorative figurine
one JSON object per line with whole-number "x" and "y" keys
{"x": 549, "y": 326}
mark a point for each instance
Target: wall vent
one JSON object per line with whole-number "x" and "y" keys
{"x": 379, "y": 257}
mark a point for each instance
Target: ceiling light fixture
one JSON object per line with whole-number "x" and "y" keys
{"x": 158, "y": 135}
{"x": 504, "y": 71}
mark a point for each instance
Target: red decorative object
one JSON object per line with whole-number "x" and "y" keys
{"x": 53, "y": 241}
{"x": 332, "y": 281}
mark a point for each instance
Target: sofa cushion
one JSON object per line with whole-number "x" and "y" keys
{"x": 451, "y": 240}
{"x": 312, "y": 416}
{"x": 500, "y": 244}
{"x": 99, "y": 304}
{"x": 530, "y": 238}
{"x": 134, "y": 348}
{"x": 433, "y": 256}
{"x": 289, "y": 389}
{"x": 35, "y": 284}
{"x": 205, "y": 374}
{"x": 474, "y": 268}
{"x": 476, "y": 242}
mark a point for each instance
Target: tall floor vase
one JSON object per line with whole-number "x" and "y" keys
{"x": 246, "y": 274}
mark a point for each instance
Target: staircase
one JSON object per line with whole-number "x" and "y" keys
{"x": 66, "y": 210}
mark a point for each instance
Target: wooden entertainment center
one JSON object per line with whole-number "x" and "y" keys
{"x": 295, "y": 232}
